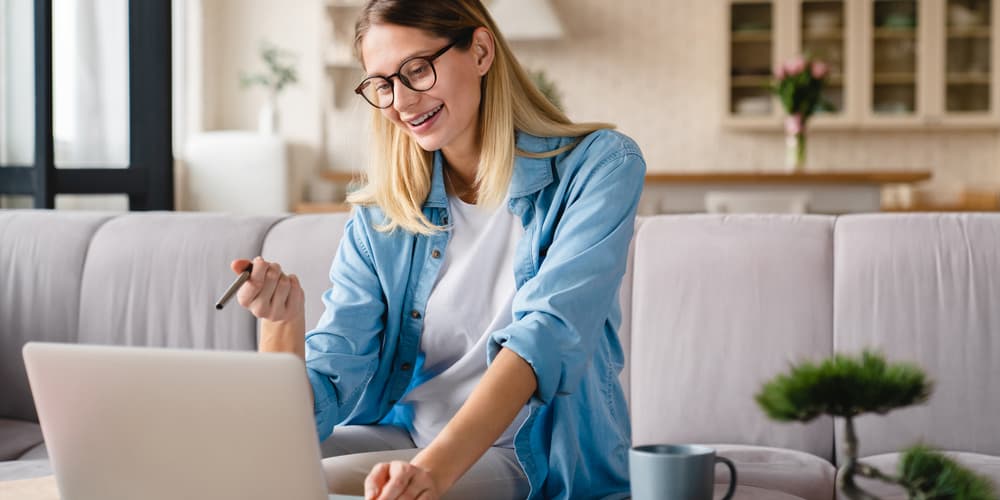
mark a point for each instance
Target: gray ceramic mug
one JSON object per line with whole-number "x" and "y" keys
{"x": 676, "y": 472}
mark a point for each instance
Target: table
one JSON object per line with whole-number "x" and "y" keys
{"x": 833, "y": 192}
{"x": 44, "y": 488}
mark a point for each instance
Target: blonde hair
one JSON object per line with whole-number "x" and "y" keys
{"x": 399, "y": 178}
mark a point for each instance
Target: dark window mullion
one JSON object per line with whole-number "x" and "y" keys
{"x": 44, "y": 169}
{"x": 150, "y": 102}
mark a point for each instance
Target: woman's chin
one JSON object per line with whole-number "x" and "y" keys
{"x": 426, "y": 142}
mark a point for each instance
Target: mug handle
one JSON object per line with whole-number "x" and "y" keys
{"x": 732, "y": 476}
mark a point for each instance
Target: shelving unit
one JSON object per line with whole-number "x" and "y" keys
{"x": 345, "y": 119}
{"x": 894, "y": 64}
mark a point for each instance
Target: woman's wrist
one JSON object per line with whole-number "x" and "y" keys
{"x": 283, "y": 336}
{"x": 434, "y": 461}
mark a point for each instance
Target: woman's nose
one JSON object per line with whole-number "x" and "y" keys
{"x": 404, "y": 96}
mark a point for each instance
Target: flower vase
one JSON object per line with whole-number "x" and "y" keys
{"x": 267, "y": 117}
{"x": 795, "y": 144}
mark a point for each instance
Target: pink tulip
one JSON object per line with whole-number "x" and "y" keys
{"x": 795, "y": 66}
{"x": 779, "y": 73}
{"x": 794, "y": 124}
{"x": 819, "y": 69}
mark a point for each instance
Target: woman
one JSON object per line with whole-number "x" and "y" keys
{"x": 469, "y": 343}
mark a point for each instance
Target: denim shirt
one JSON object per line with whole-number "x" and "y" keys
{"x": 578, "y": 211}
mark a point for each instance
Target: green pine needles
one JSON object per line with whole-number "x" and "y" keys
{"x": 933, "y": 475}
{"x": 843, "y": 386}
{"x": 847, "y": 386}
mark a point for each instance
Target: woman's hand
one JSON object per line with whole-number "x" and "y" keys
{"x": 269, "y": 293}
{"x": 400, "y": 480}
{"x": 279, "y": 301}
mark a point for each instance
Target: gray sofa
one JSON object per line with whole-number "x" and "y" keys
{"x": 714, "y": 305}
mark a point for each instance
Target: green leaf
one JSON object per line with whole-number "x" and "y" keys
{"x": 843, "y": 386}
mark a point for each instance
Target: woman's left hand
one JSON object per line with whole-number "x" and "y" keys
{"x": 400, "y": 480}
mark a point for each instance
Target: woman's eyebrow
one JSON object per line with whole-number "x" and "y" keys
{"x": 423, "y": 52}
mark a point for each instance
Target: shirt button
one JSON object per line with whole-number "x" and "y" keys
{"x": 405, "y": 367}
{"x": 436, "y": 254}
{"x": 415, "y": 314}
{"x": 392, "y": 401}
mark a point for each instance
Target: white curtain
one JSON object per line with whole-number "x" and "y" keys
{"x": 90, "y": 91}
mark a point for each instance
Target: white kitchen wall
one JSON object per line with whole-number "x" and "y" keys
{"x": 654, "y": 67}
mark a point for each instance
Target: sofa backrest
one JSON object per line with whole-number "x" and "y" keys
{"x": 152, "y": 279}
{"x": 713, "y": 306}
{"x": 304, "y": 245}
{"x": 42, "y": 256}
{"x": 925, "y": 288}
{"x": 720, "y": 304}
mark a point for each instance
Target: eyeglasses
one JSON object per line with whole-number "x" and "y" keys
{"x": 417, "y": 73}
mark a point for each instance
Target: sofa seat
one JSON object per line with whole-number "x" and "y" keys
{"x": 985, "y": 465}
{"x": 751, "y": 493}
{"x": 17, "y": 437}
{"x": 22, "y": 452}
{"x": 781, "y": 473}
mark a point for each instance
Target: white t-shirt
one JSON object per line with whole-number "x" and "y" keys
{"x": 471, "y": 299}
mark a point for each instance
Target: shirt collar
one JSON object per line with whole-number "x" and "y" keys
{"x": 530, "y": 174}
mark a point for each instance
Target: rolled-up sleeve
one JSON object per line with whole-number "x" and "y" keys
{"x": 342, "y": 352}
{"x": 560, "y": 313}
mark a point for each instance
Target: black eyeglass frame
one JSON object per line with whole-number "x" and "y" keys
{"x": 430, "y": 62}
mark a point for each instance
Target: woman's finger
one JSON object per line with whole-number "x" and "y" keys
{"x": 279, "y": 301}
{"x": 400, "y": 474}
{"x": 375, "y": 480}
{"x": 239, "y": 265}
{"x": 263, "y": 301}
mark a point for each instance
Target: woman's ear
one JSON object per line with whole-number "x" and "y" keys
{"x": 483, "y": 50}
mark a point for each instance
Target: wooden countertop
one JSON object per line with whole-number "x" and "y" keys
{"x": 818, "y": 177}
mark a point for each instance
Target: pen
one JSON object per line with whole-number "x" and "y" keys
{"x": 242, "y": 278}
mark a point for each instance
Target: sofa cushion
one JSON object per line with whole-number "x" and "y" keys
{"x": 41, "y": 262}
{"x": 152, "y": 279}
{"x": 753, "y": 493}
{"x": 722, "y": 304}
{"x": 778, "y": 470}
{"x": 24, "y": 469}
{"x": 17, "y": 437}
{"x": 925, "y": 288}
{"x": 625, "y": 330}
{"x": 305, "y": 246}
{"x": 985, "y": 465}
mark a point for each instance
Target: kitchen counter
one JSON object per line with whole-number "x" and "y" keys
{"x": 827, "y": 192}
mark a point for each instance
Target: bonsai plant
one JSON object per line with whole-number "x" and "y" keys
{"x": 846, "y": 387}
{"x": 279, "y": 74}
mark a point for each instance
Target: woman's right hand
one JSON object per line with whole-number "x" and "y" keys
{"x": 279, "y": 301}
{"x": 270, "y": 294}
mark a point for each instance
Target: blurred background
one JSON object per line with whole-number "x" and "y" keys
{"x": 248, "y": 105}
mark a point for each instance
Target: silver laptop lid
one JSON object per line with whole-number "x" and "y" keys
{"x": 129, "y": 422}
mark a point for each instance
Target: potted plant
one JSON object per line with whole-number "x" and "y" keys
{"x": 848, "y": 386}
{"x": 798, "y": 83}
{"x": 280, "y": 72}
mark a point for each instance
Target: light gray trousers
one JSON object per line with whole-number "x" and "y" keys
{"x": 355, "y": 449}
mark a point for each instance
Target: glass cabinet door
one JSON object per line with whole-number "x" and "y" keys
{"x": 751, "y": 60}
{"x": 894, "y": 57}
{"x": 822, "y": 33}
{"x": 968, "y": 56}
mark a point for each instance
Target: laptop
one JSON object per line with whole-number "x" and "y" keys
{"x": 166, "y": 424}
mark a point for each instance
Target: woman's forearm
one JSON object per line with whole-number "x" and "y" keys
{"x": 283, "y": 336}
{"x": 504, "y": 389}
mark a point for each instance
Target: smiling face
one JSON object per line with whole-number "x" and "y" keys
{"x": 446, "y": 116}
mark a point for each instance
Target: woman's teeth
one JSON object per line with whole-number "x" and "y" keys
{"x": 426, "y": 116}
